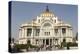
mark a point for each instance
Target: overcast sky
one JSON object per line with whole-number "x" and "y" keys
{"x": 25, "y": 11}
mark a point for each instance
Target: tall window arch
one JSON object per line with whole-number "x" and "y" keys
{"x": 47, "y": 25}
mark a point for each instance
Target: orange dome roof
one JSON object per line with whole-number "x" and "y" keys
{"x": 47, "y": 13}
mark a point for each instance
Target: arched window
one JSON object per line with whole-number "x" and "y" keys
{"x": 47, "y": 25}
{"x": 39, "y": 21}
{"x": 54, "y": 21}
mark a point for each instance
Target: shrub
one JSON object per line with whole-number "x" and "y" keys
{"x": 71, "y": 44}
{"x": 21, "y": 46}
{"x": 63, "y": 44}
{"x": 25, "y": 46}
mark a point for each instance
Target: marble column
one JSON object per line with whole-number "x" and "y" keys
{"x": 32, "y": 32}
{"x": 49, "y": 41}
{"x": 40, "y": 42}
{"x": 60, "y": 34}
{"x": 45, "y": 41}
{"x": 20, "y": 33}
{"x": 66, "y": 34}
{"x": 52, "y": 42}
{"x": 68, "y": 31}
{"x": 71, "y": 32}
{"x": 25, "y": 32}
{"x": 32, "y": 35}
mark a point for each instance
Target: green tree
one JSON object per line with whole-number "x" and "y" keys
{"x": 63, "y": 44}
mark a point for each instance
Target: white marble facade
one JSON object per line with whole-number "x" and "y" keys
{"x": 46, "y": 29}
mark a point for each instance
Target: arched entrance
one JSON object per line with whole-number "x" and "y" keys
{"x": 47, "y": 41}
{"x": 28, "y": 42}
{"x": 47, "y": 31}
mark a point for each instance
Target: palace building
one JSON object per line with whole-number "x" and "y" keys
{"x": 45, "y": 29}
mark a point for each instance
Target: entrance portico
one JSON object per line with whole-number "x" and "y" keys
{"x": 47, "y": 41}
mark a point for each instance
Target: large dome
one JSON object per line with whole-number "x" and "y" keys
{"x": 47, "y": 13}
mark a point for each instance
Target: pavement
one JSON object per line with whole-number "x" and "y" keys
{"x": 47, "y": 49}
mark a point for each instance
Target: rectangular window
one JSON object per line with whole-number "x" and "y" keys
{"x": 63, "y": 30}
{"x": 29, "y": 31}
{"x": 47, "y": 33}
{"x": 56, "y": 30}
{"x": 37, "y": 32}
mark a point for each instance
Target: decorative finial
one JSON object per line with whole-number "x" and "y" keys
{"x": 47, "y": 9}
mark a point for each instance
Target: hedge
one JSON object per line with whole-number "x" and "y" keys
{"x": 25, "y": 46}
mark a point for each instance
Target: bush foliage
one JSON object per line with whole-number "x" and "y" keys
{"x": 25, "y": 46}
